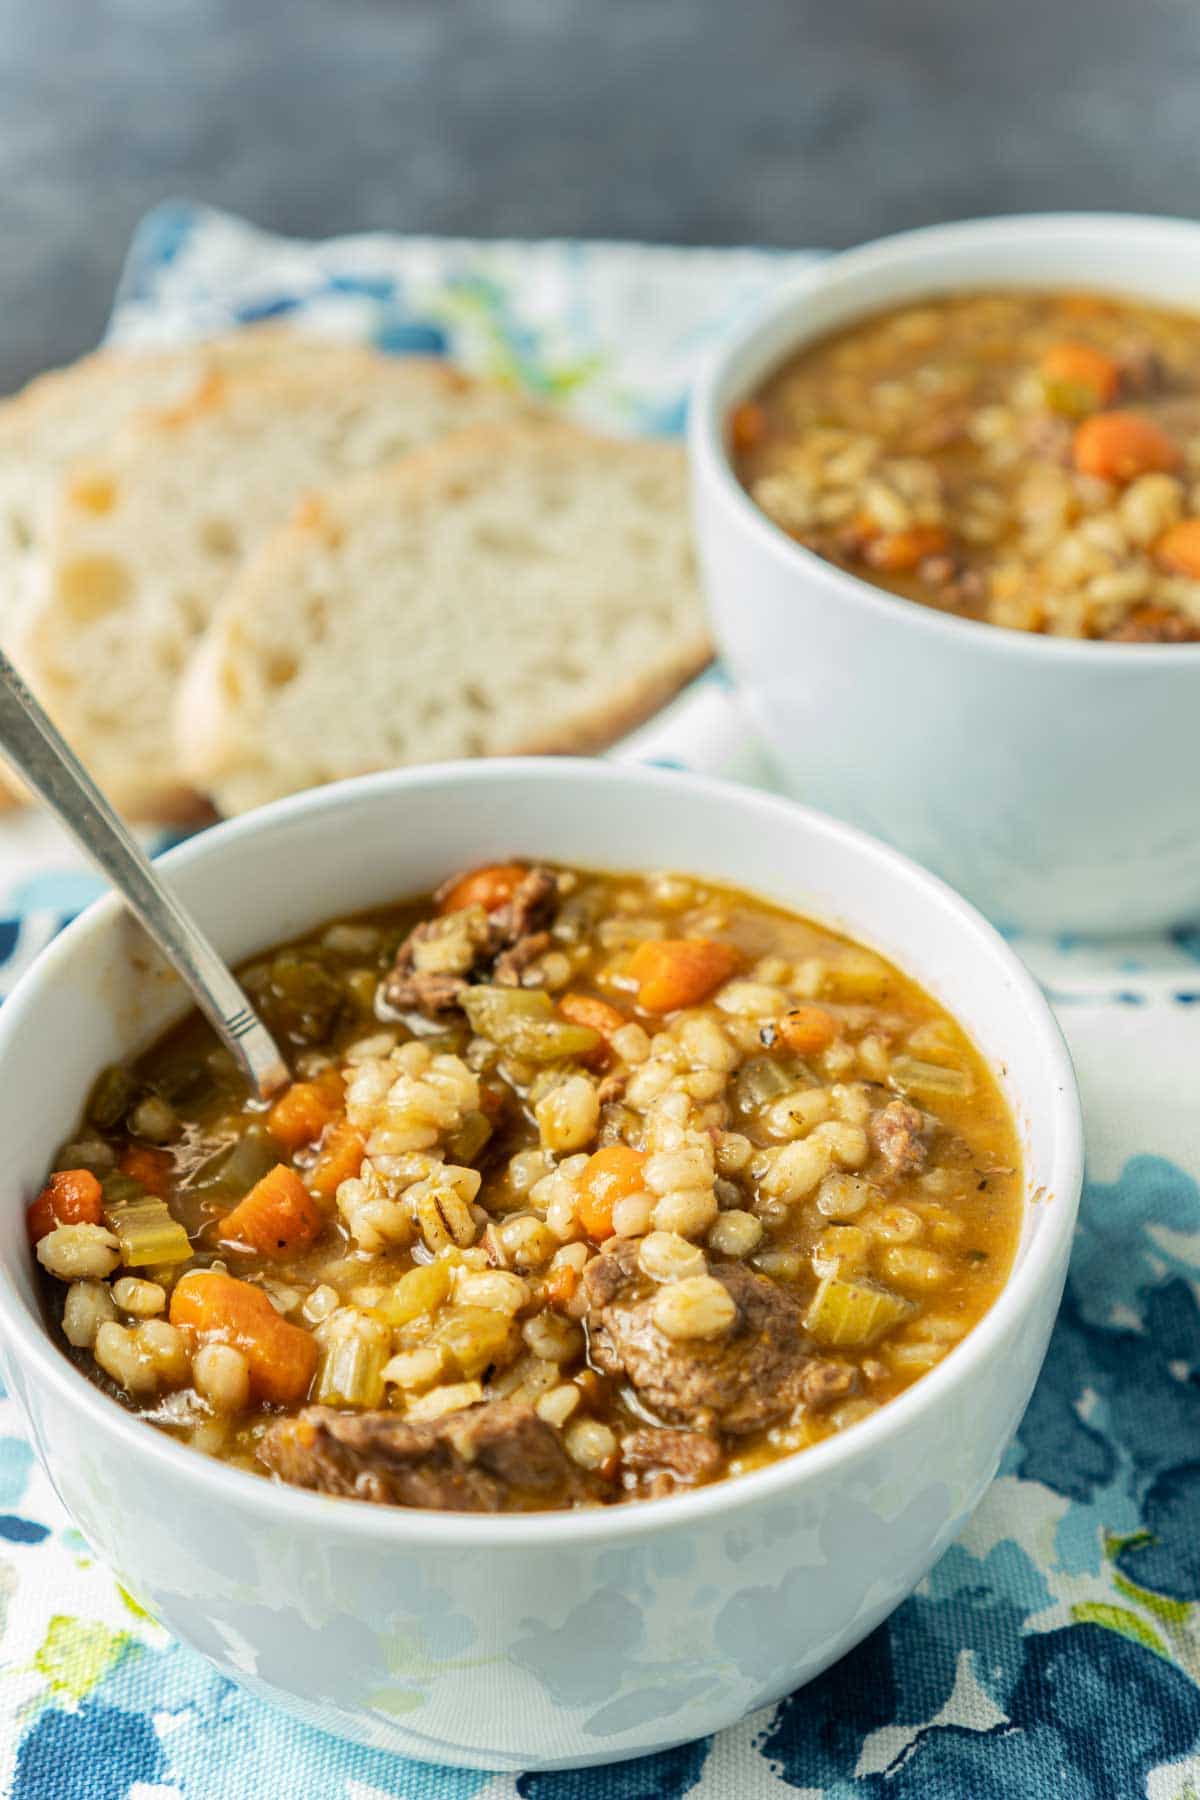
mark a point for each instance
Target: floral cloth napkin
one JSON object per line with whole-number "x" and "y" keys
{"x": 1055, "y": 1649}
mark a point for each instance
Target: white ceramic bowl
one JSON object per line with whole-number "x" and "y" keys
{"x": 552, "y": 1639}
{"x": 1050, "y": 780}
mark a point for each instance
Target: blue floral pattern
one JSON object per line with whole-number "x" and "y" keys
{"x": 1055, "y": 1649}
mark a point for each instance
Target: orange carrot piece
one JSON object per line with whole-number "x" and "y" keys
{"x": 674, "y": 972}
{"x": 588, "y": 1009}
{"x": 151, "y": 1167}
{"x": 1178, "y": 549}
{"x": 339, "y": 1159}
{"x": 303, "y": 1111}
{"x": 1120, "y": 446}
{"x": 490, "y": 888}
{"x": 807, "y": 1029}
{"x": 560, "y": 1285}
{"x": 276, "y": 1217}
{"x": 610, "y": 1175}
{"x": 747, "y": 426}
{"x": 70, "y": 1197}
{"x": 221, "y": 1309}
{"x": 1081, "y": 372}
{"x": 894, "y": 552}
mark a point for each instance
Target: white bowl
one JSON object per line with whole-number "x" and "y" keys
{"x": 1050, "y": 780}
{"x": 552, "y": 1639}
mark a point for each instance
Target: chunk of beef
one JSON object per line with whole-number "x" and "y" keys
{"x": 423, "y": 991}
{"x": 529, "y": 910}
{"x": 487, "y": 1458}
{"x": 441, "y": 956}
{"x": 898, "y": 1133}
{"x": 960, "y": 585}
{"x": 1142, "y": 372}
{"x": 747, "y": 1379}
{"x": 664, "y": 1461}
{"x": 510, "y": 965}
{"x": 827, "y": 1382}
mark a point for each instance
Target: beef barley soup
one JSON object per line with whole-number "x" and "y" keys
{"x": 588, "y": 1188}
{"x": 1027, "y": 459}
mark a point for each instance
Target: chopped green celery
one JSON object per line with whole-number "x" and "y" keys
{"x": 523, "y": 1022}
{"x": 475, "y": 1337}
{"x": 760, "y": 1080}
{"x": 857, "y": 975}
{"x": 356, "y": 1349}
{"x": 146, "y": 1231}
{"x": 844, "y": 1312}
{"x": 234, "y": 1170}
{"x": 466, "y": 1143}
{"x": 142, "y": 1224}
{"x": 417, "y": 1293}
{"x": 111, "y": 1097}
{"x": 1071, "y": 399}
{"x": 912, "y": 1076}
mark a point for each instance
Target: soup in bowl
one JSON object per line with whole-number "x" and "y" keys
{"x": 948, "y": 513}
{"x": 711, "y": 1294}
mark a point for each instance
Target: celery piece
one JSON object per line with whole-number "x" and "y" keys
{"x": 759, "y": 1080}
{"x": 928, "y": 1080}
{"x": 466, "y": 1143}
{"x": 146, "y": 1231}
{"x": 356, "y": 1348}
{"x": 111, "y": 1097}
{"x": 523, "y": 1022}
{"x": 1070, "y": 399}
{"x": 475, "y": 1337}
{"x": 417, "y": 1293}
{"x": 853, "y": 1312}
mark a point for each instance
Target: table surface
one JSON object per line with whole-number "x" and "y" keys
{"x": 696, "y": 121}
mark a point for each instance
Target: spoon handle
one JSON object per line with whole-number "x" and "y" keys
{"x": 41, "y": 755}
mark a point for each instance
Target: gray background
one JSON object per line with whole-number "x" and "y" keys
{"x": 700, "y": 121}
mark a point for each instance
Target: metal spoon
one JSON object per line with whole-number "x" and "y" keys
{"x": 39, "y": 753}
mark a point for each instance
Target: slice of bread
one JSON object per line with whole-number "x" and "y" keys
{"x": 72, "y": 413}
{"x": 517, "y": 588}
{"x": 146, "y": 538}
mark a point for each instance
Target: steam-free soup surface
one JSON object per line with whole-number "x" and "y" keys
{"x": 1026, "y": 459}
{"x": 588, "y": 1188}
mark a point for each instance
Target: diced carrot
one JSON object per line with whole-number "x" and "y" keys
{"x": 610, "y": 1175}
{"x": 560, "y": 1285}
{"x": 339, "y": 1159}
{"x": 674, "y": 972}
{"x": 303, "y": 1111}
{"x": 747, "y": 426}
{"x": 807, "y": 1029}
{"x": 1084, "y": 306}
{"x": 221, "y": 1309}
{"x": 894, "y": 552}
{"x": 151, "y": 1167}
{"x": 1178, "y": 549}
{"x": 1120, "y": 446}
{"x": 70, "y": 1197}
{"x": 588, "y": 1009}
{"x": 276, "y": 1217}
{"x": 1081, "y": 374}
{"x": 490, "y": 888}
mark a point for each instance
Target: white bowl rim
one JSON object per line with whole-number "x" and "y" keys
{"x": 277, "y": 1502}
{"x": 707, "y": 441}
